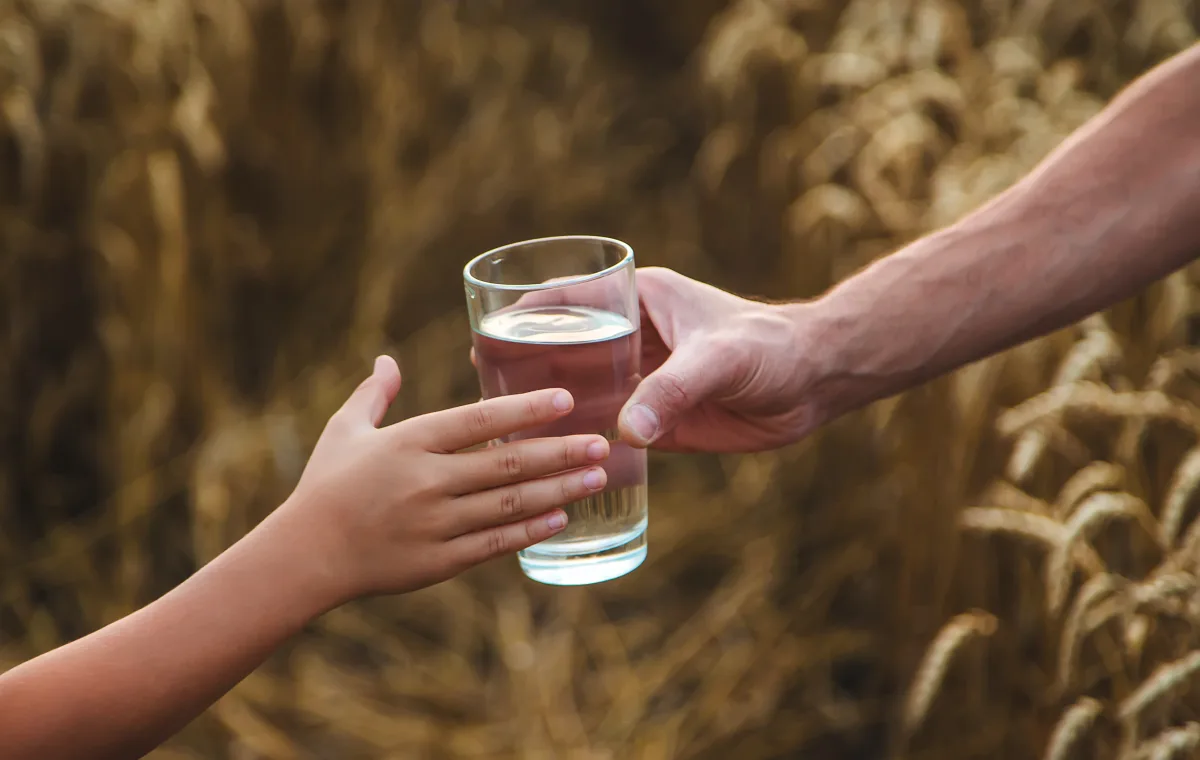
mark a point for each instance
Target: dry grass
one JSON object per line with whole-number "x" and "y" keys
{"x": 213, "y": 212}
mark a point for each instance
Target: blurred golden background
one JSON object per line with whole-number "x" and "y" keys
{"x": 213, "y": 213}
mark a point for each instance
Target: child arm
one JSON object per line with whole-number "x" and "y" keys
{"x": 376, "y": 511}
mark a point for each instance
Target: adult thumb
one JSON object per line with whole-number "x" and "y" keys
{"x": 687, "y": 377}
{"x": 373, "y": 396}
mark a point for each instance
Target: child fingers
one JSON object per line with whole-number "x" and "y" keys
{"x": 465, "y": 426}
{"x": 509, "y": 504}
{"x": 475, "y": 548}
{"x": 524, "y": 460}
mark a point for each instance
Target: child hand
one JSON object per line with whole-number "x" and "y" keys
{"x": 393, "y": 509}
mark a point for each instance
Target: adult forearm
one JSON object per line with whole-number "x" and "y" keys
{"x": 1116, "y": 207}
{"x": 127, "y": 687}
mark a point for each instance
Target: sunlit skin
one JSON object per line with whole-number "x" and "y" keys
{"x": 1114, "y": 208}
{"x": 377, "y": 511}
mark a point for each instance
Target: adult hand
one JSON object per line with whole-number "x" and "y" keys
{"x": 717, "y": 372}
{"x": 720, "y": 373}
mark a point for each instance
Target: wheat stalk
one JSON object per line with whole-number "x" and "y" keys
{"x": 1034, "y": 442}
{"x": 1165, "y": 679}
{"x": 1096, "y": 476}
{"x": 1094, "y": 512}
{"x": 1095, "y": 590}
{"x": 1164, "y": 585}
{"x": 1183, "y": 484}
{"x": 949, "y": 640}
{"x": 1095, "y": 399}
{"x": 1136, "y": 629}
{"x": 1042, "y": 530}
{"x": 1174, "y": 742}
{"x": 1074, "y": 723}
{"x": 1005, "y": 494}
{"x": 1039, "y": 528}
{"x": 1097, "y": 352}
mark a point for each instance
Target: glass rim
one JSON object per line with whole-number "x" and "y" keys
{"x": 559, "y": 283}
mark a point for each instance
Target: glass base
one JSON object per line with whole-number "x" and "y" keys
{"x": 567, "y": 565}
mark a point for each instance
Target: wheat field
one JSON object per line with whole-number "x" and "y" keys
{"x": 214, "y": 213}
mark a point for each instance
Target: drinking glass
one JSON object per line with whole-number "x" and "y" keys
{"x": 562, "y": 312}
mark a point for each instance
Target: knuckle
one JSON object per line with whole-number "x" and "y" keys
{"x": 656, "y": 272}
{"x": 512, "y": 463}
{"x": 426, "y": 481}
{"x": 564, "y": 455}
{"x": 479, "y": 420}
{"x": 511, "y": 503}
{"x": 447, "y": 523}
{"x": 659, "y": 282}
{"x": 497, "y": 543}
{"x": 566, "y": 488}
{"x": 672, "y": 388}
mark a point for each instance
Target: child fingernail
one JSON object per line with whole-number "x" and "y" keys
{"x": 597, "y": 450}
{"x": 562, "y": 401}
{"x": 557, "y": 521}
{"x": 594, "y": 479}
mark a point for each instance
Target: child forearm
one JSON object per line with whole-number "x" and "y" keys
{"x": 122, "y": 690}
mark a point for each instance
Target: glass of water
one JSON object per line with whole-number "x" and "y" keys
{"x": 562, "y": 312}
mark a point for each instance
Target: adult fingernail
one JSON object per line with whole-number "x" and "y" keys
{"x": 643, "y": 421}
{"x": 594, "y": 479}
{"x": 557, "y": 521}
{"x": 597, "y": 450}
{"x": 379, "y": 364}
{"x": 562, "y": 401}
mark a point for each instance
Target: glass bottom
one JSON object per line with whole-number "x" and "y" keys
{"x": 585, "y": 562}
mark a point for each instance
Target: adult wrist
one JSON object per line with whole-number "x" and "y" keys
{"x": 822, "y": 345}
